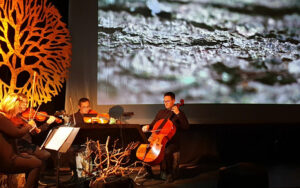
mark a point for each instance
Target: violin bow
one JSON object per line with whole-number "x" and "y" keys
{"x": 74, "y": 120}
{"x": 32, "y": 93}
{"x": 36, "y": 111}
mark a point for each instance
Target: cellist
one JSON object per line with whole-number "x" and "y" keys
{"x": 180, "y": 121}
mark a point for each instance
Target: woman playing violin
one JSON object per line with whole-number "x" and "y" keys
{"x": 11, "y": 161}
{"x": 179, "y": 119}
{"x": 25, "y": 143}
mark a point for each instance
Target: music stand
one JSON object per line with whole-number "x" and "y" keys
{"x": 60, "y": 140}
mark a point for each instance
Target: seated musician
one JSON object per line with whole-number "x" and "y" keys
{"x": 25, "y": 144}
{"x": 11, "y": 161}
{"x": 84, "y": 107}
{"x": 179, "y": 119}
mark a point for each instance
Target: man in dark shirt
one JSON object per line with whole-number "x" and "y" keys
{"x": 179, "y": 119}
{"x": 84, "y": 108}
{"x": 77, "y": 121}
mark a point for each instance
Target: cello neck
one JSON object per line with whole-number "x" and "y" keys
{"x": 181, "y": 103}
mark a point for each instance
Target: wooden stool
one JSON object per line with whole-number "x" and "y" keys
{"x": 3, "y": 180}
{"x": 12, "y": 180}
{"x": 16, "y": 180}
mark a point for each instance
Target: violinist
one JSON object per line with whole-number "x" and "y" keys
{"x": 11, "y": 160}
{"x": 25, "y": 143}
{"x": 84, "y": 107}
{"x": 81, "y": 117}
{"x": 168, "y": 165}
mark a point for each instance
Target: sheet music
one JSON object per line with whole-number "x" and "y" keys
{"x": 59, "y": 138}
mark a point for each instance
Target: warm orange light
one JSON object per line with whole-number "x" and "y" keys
{"x": 33, "y": 38}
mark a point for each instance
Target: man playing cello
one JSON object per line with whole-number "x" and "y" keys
{"x": 179, "y": 120}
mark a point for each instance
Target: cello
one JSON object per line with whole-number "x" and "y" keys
{"x": 163, "y": 131}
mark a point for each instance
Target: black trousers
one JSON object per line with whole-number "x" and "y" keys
{"x": 73, "y": 150}
{"x": 32, "y": 149}
{"x": 29, "y": 164}
{"x": 167, "y": 165}
{"x": 26, "y": 147}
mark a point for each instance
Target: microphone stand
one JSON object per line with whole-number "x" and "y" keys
{"x": 124, "y": 114}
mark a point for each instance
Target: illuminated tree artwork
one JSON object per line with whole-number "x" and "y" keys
{"x": 33, "y": 39}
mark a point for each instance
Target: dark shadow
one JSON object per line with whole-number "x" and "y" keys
{"x": 187, "y": 172}
{"x": 116, "y": 112}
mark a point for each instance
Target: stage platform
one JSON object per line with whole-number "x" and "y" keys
{"x": 214, "y": 175}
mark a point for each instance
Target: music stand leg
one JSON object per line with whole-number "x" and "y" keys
{"x": 57, "y": 169}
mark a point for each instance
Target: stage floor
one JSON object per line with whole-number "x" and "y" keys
{"x": 211, "y": 175}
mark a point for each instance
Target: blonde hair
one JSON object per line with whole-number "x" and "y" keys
{"x": 10, "y": 103}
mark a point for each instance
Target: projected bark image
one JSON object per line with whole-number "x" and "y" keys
{"x": 33, "y": 39}
{"x": 206, "y": 51}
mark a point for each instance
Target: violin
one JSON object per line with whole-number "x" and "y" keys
{"x": 101, "y": 118}
{"x": 163, "y": 131}
{"x": 19, "y": 120}
{"x": 19, "y": 117}
{"x": 39, "y": 116}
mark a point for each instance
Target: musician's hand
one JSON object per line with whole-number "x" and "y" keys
{"x": 175, "y": 110}
{"x": 31, "y": 123}
{"x": 145, "y": 128}
{"x": 50, "y": 120}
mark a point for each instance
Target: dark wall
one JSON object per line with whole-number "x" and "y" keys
{"x": 227, "y": 144}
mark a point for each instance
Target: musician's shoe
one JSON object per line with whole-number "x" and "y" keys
{"x": 149, "y": 171}
{"x": 42, "y": 183}
{"x": 149, "y": 175}
{"x": 44, "y": 179}
{"x": 47, "y": 183}
{"x": 170, "y": 178}
{"x": 163, "y": 175}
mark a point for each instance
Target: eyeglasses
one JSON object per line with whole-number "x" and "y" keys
{"x": 22, "y": 101}
{"x": 167, "y": 101}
